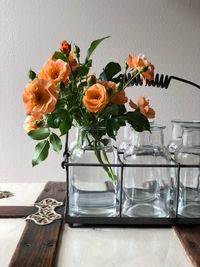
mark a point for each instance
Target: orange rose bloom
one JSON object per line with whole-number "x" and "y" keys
{"x": 137, "y": 62}
{"x": 95, "y": 98}
{"x": 118, "y": 98}
{"x": 40, "y": 97}
{"x": 30, "y": 123}
{"x": 143, "y": 105}
{"x": 55, "y": 71}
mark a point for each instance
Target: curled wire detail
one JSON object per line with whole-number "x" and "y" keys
{"x": 160, "y": 80}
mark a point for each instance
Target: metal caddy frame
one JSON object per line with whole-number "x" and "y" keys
{"x": 160, "y": 81}
{"x": 120, "y": 220}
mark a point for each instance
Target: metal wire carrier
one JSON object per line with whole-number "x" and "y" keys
{"x": 161, "y": 81}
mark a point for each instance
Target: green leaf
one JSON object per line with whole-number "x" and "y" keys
{"x": 41, "y": 152}
{"x": 112, "y": 127}
{"x": 110, "y": 71}
{"x": 61, "y": 86}
{"x": 55, "y": 142}
{"x": 65, "y": 124}
{"x": 110, "y": 110}
{"x": 93, "y": 46}
{"x": 121, "y": 109}
{"x": 31, "y": 74}
{"x": 103, "y": 76}
{"x": 138, "y": 121}
{"x": 60, "y": 55}
{"x": 82, "y": 71}
{"x": 52, "y": 120}
{"x": 39, "y": 133}
{"x": 105, "y": 141}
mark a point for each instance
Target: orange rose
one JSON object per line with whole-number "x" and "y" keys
{"x": 40, "y": 97}
{"x": 55, "y": 71}
{"x": 137, "y": 62}
{"x": 143, "y": 105}
{"x": 31, "y": 122}
{"x": 118, "y": 98}
{"x": 95, "y": 98}
{"x": 108, "y": 84}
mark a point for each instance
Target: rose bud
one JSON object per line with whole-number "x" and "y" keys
{"x": 65, "y": 47}
{"x": 91, "y": 79}
{"x": 76, "y": 51}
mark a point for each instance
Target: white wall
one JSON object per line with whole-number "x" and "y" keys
{"x": 167, "y": 31}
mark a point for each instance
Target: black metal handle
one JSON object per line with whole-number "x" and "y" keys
{"x": 160, "y": 80}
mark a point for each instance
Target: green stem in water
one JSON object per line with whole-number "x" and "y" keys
{"x": 112, "y": 175}
{"x": 108, "y": 169}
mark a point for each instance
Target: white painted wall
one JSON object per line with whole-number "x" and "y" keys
{"x": 167, "y": 31}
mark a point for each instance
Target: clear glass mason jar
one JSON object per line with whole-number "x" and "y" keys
{"x": 177, "y": 133}
{"x": 92, "y": 189}
{"x": 147, "y": 190}
{"x": 189, "y": 154}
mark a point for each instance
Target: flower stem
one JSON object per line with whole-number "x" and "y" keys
{"x": 108, "y": 169}
{"x": 111, "y": 174}
{"x": 137, "y": 74}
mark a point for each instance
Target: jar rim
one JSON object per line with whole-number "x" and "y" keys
{"x": 155, "y": 127}
{"x": 184, "y": 121}
{"x": 193, "y": 127}
{"x": 92, "y": 127}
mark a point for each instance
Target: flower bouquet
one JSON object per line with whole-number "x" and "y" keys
{"x": 64, "y": 94}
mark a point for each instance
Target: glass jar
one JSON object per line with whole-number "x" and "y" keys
{"x": 189, "y": 189}
{"x": 177, "y": 133}
{"x": 92, "y": 189}
{"x": 147, "y": 190}
{"x": 126, "y": 138}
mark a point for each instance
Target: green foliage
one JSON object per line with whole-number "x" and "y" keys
{"x": 110, "y": 71}
{"x": 31, "y": 74}
{"x": 112, "y": 127}
{"x": 52, "y": 120}
{"x": 41, "y": 152}
{"x": 138, "y": 121}
{"x": 93, "y": 46}
{"x": 39, "y": 133}
{"x": 66, "y": 123}
{"x": 55, "y": 142}
{"x": 60, "y": 55}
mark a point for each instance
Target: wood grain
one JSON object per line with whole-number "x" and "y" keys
{"x": 38, "y": 245}
{"x": 16, "y": 211}
{"x": 190, "y": 239}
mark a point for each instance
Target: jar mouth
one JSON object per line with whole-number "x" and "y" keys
{"x": 94, "y": 128}
{"x": 191, "y": 127}
{"x": 189, "y": 122}
{"x": 157, "y": 127}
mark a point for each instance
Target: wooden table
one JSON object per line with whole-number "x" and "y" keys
{"x": 91, "y": 247}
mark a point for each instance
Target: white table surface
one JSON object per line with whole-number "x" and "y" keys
{"x": 94, "y": 247}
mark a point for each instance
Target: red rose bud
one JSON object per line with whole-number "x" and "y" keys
{"x": 91, "y": 80}
{"x": 65, "y": 47}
